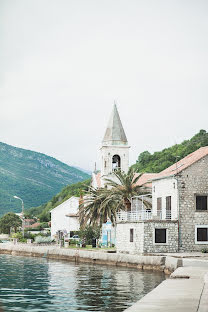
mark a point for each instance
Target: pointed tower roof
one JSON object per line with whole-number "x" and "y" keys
{"x": 114, "y": 134}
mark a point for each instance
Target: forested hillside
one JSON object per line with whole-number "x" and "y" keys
{"x": 33, "y": 176}
{"x": 159, "y": 161}
{"x": 43, "y": 211}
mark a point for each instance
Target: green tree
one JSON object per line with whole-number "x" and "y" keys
{"x": 9, "y": 220}
{"x": 159, "y": 161}
{"x": 102, "y": 204}
{"x": 96, "y": 207}
{"x": 125, "y": 187}
{"x": 88, "y": 233}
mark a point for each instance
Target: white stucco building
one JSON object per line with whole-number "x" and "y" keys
{"x": 65, "y": 217}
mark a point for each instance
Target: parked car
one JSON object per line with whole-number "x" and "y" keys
{"x": 75, "y": 237}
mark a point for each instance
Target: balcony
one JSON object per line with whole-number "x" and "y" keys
{"x": 142, "y": 215}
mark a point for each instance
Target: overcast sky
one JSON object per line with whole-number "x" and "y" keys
{"x": 63, "y": 62}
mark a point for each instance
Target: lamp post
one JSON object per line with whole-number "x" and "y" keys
{"x": 23, "y": 223}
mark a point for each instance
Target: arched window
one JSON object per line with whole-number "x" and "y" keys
{"x": 116, "y": 162}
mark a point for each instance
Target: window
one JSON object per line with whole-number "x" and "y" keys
{"x": 131, "y": 235}
{"x": 168, "y": 208}
{"x": 160, "y": 236}
{"x": 201, "y": 234}
{"x": 201, "y": 202}
{"x": 159, "y": 206}
{"x": 116, "y": 162}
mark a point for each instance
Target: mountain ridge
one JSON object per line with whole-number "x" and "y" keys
{"x": 33, "y": 176}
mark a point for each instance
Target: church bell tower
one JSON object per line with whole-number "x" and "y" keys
{"x": 115, "y": 149}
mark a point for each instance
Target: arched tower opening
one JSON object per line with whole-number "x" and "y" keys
{"x": 116, "y": 162}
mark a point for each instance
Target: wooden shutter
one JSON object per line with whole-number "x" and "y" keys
{"x": 159, "y": 206}
{"x": 168, "y": 207}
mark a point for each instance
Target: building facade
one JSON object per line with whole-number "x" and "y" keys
{"x": 179, "y": 217}
{"x": 65, "y": 218}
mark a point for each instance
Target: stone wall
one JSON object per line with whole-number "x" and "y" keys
{"x": 143, "y": 238}
{"x": 153, "y": 262}
{"x": 172, "y": 236}
{"x": 192, "y": 181}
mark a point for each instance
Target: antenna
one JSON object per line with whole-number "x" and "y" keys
{"x": 177, "y": 156}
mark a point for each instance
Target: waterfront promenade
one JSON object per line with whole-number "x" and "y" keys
{"x": 185, "y": 291}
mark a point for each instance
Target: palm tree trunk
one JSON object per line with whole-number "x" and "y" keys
{"x": 127, "y": 204}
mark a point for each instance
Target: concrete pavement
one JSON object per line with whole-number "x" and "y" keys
{"x": 185, "y": 291}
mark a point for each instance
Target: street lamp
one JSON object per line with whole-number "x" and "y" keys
{"x": 23, "y": 223}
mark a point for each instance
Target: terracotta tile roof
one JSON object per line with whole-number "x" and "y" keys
{"x": 145, "y": 179}
{"x": 184, "y": 163}
{"x": 34, "y": 225}
{"x": 30, "y": 220}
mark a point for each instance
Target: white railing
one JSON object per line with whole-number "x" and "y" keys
{"x": 141, "y": 215}
{"x": 133, "y": 215}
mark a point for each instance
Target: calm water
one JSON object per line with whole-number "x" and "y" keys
{"x": 38, "y": 284}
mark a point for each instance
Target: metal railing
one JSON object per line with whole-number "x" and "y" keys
{"x": 141, "y": 215}
{"x": 134, "y": 215}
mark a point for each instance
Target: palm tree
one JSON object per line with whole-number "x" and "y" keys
{"x": 125, "y": 187}
{"x": 97, "y": 206}
{"x": 102, "y": 204}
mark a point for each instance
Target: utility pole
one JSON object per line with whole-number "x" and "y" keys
{"x": 23, "y": 222}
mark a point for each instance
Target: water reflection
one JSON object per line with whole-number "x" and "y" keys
{"x": 105, "y": 288}
{"x": 37, "y": 284}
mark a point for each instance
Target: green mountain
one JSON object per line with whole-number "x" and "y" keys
{"x": 42, "y": 211}
{"x": 35, "y": 177}
{"x": 159, "y": 161}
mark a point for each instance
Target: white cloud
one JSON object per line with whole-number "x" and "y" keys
{"x": 64, "y": 62}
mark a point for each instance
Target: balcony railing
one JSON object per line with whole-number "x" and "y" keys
{"x": 141, "y": 215}
{"x": 134, "y": 215}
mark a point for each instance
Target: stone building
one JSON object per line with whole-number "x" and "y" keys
{"x": 179, "y": 216}
{"x": 182, "y": 190}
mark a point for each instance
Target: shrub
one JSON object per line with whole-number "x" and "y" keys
{"x": 88, "y": 233}
{"x": 43, "y": 240}
{"x": 20, "y": 237}
{"x": 73, "y": 242}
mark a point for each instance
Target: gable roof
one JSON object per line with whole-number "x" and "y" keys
{"x": 114, "y": 134}
{"x": 183, "y": 163}
{"x": 66, "y": 201}
{"x": 145, "y": 179}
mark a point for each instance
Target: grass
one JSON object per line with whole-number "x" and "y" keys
{"x": 89, "y": 247}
